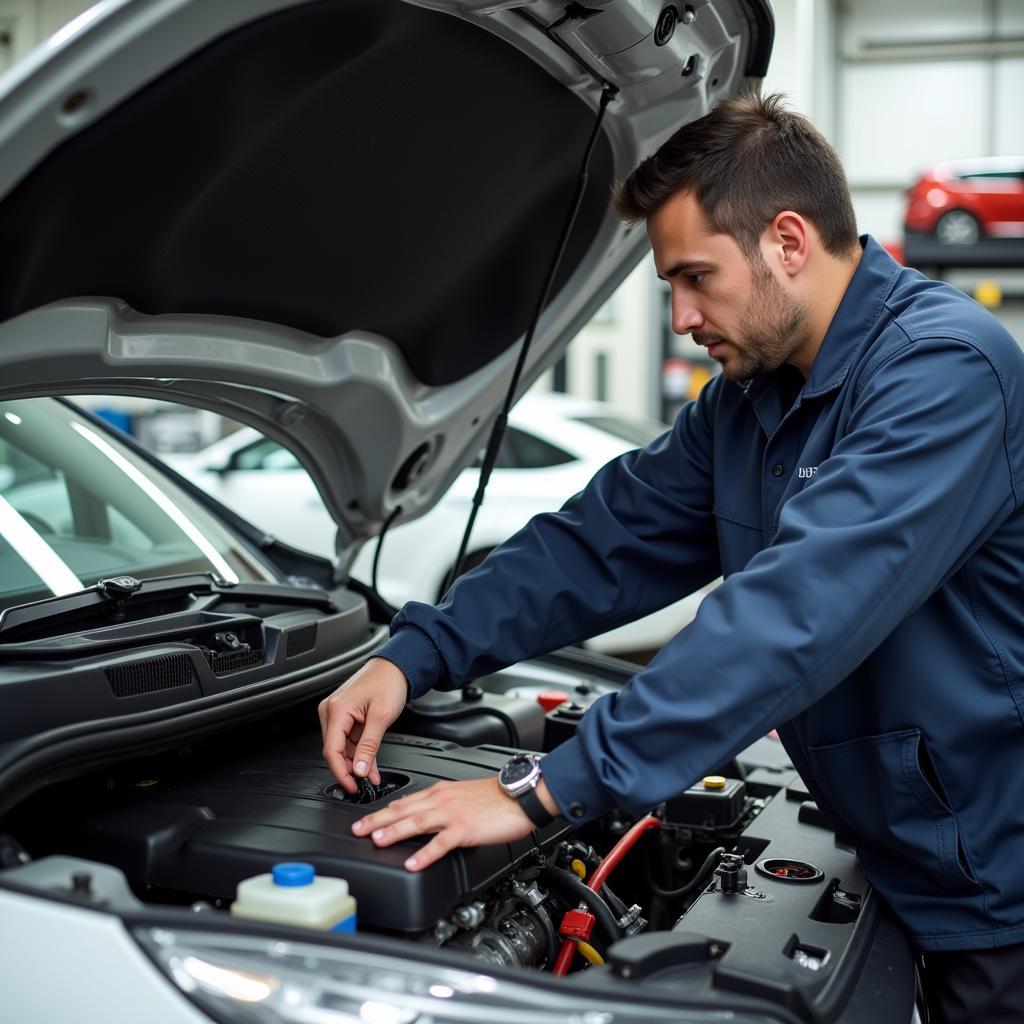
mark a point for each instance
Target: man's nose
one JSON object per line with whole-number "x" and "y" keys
{"x": 685, "y": 317}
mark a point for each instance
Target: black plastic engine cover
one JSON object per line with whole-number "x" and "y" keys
{"x": 202, "y": 834}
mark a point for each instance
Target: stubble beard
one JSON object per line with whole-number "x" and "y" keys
{"x": 771, "y": 329}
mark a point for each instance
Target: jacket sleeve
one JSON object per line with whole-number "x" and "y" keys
{"x": 638, "y": 537}
{"x": 919, "y": 479}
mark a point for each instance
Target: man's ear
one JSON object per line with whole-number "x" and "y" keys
{"x": 788, "y": 238}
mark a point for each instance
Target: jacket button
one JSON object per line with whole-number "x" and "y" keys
{"x": 577, "y": 810}
{"x": 778, "y": 469}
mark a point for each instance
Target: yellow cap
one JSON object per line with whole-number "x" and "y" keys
{"x": 714, "y": 782}
{"x": 579, "y": 868}
{"x": 989, "y": 294}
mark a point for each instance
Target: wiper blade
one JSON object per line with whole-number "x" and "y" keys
{"x": 111, "y": 599}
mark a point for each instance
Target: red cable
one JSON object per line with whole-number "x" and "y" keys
{"x": 565, "y": 956}
{"x": 600, "y": 876}
{"x": 619, "y": 850}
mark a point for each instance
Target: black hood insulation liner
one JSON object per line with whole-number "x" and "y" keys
{"x": 332, "y": 167}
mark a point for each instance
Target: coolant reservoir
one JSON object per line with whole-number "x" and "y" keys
{"x": 293, "y": 894}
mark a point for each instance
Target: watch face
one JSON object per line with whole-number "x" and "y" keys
{"x": 517, "y": 770}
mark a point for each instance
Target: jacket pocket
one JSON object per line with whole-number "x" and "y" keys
{"x": 887, "y": 790}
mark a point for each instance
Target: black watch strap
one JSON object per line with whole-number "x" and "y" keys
{"x": 533, "y": 808}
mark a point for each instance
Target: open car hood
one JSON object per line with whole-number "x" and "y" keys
{"x": 331, "y": 219}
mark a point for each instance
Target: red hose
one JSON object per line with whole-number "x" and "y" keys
{"x": 596, "y": 881}
{"x": 619, "y": 850}
{"x": 565, "y": 955}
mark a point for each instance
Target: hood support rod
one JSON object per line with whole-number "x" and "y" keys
{"x": 501, "y": 423}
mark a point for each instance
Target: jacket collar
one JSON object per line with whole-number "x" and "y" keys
{"x": 859, "y": 310}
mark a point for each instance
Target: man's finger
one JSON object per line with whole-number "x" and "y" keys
{"x": 433, "y": 851}
{"x": 350, "y": 753}
{"x": 415, "y": 803}
{"x": 341, "y": 769}
{"x": 365, "y": 759}
{"x": 339, "y": 725}
{"x": 418, "y": 824}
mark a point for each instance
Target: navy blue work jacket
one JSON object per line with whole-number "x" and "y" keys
{"x": 872, "y": 543}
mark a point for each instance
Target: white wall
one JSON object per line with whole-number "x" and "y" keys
{"x": 802, "y": 64}
{"x": 1009, "y": 116}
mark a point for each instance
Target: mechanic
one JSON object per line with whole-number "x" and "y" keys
{"x": 856, "y": 473}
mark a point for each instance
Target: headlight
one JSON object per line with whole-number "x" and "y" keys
{"x": 246, "y": 978}
{"x": 242, "y": 978}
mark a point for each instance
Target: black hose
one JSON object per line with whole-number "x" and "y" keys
{"x": 619, "y": 909}
{"x": 572, "y": 888}
{"x": 709, "y": 865}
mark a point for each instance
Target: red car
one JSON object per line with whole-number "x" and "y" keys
{"x": 962, "y": 202}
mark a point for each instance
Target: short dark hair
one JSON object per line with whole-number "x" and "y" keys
{"x": 745, "y": 162}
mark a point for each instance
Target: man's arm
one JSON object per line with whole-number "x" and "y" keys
{"x": 919, "y": 481}
{"x": 640, "y": 536}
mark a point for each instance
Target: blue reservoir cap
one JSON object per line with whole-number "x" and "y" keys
{"x": 293, "y": 874}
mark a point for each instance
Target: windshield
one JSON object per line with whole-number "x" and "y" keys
{"x": 77, "y": 506}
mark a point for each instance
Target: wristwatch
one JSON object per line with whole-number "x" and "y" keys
{"x": 519, "y": 776}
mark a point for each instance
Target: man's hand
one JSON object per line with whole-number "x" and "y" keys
{"x": 354, "y": 718}
{"x": 475, "y": 813}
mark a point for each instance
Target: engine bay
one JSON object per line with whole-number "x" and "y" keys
{"x": 736, "y": 890}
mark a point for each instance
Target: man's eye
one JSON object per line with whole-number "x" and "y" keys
{"x": 695, "y": 279}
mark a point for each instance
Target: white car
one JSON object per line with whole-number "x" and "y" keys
{"x": 554, "y": 445}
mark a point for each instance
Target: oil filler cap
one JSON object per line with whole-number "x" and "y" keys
{"x": 714, "y": 782}
{"x": 786, "y": 870}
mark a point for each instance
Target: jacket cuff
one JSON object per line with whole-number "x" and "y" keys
{"x": 573, "y": 783}
{"x": 415, "y": 655}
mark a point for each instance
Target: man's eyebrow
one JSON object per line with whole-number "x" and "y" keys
{"x": 682, "y": 267}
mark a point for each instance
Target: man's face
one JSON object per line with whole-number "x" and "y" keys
{"x": 735, "y": 308}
